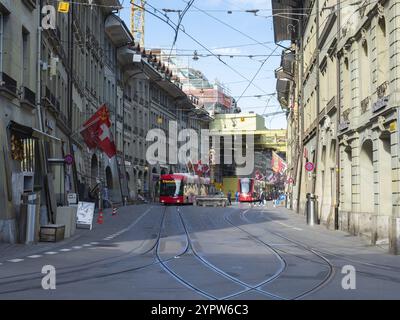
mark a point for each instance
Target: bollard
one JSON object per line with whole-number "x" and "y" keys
{"x": 311, "y": 210}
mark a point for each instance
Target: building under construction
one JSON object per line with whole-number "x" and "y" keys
{"x": 214, "y": 97}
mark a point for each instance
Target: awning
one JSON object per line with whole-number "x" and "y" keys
{"x": 286, "y": 18}
{"x": 44, "y": 136}
{"x": 287, "y": 61}
{"x": 117, "y": 31}
{"x": 28, "y": 132}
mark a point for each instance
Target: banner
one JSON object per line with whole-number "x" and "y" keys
{"x": 278, "y": 165}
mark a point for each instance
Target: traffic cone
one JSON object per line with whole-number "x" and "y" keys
{"x": 100, "y": 219}
{"x": 114, "y": 211}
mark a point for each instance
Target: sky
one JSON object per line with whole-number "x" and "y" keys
{"x": 255, "y": 38}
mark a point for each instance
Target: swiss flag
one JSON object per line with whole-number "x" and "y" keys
{"x": 96, "y": 132}
{"x": 201, "y": 168}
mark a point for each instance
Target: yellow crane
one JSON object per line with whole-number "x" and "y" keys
{"x": 138, "y": 20}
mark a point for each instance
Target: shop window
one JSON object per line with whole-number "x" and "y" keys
{"x": 23, "y": 150}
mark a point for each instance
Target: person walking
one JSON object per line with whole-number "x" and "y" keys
{"x": 237, "y": 196}
{"x": 262, "y": 198}
{"x": 230, "y": 198}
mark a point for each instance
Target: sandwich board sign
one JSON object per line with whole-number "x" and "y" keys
{"x": 84, "y": 215}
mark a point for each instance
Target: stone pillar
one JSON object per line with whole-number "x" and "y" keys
{"x": 393, "y": 32}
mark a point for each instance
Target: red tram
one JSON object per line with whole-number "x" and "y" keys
{"x": 246, "y": 190}
{"x": 182, "y": 188}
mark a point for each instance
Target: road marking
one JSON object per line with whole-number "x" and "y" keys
{"x": 65, "y": 250}
{"x": 15, "y": 260}
{"x": 35, "y": 256}
{"x": 94, "y": 243}
{"x": 77, "y": 247}
{"x": 87, "y": 245}
{"x": 286, "y": 225}
{"x": 50, "y": 252}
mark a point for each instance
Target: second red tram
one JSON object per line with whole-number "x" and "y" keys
{"x": 246, "y": 190}
{"x": 182, "y": 188}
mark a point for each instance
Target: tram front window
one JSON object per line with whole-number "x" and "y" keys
{"x": 171, "y": 188}
{"x": 245, "y": 185}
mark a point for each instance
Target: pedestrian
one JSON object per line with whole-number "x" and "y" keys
{"x": 230, "y": 197}
{"x": 237, "y": 196}
{"x": 106, "y": 199}
{"x": 262, "y": 197}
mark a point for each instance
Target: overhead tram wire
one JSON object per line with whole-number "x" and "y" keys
{"x": 256, "y": 74}
{"x": 231, "y": 27}
{"x": 181, "y": 16}
{"x": 196, "y": 41}
{"x": 281, "y": 11}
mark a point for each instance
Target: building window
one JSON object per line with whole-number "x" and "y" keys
{"x": 25, "y": 58}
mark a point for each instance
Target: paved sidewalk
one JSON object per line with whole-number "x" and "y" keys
{"x": 334, "y": 242}
{"x": 124, "y": 217}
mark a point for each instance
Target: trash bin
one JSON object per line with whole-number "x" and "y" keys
{"x": 311, "y": 209}
{"x": 29, "y": 218}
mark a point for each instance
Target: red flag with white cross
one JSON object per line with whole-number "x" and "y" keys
{"x": 96, "y": 132}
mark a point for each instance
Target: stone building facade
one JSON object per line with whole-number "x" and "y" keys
{"x": 348, "y": 64}
{"x": 53, "y": 80}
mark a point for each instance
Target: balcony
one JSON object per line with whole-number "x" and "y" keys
{"x": 28, "y": 97}
{"x": 8, "y": 85}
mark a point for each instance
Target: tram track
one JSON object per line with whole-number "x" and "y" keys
{"x": 331, "y": 269}
{"x": 83, "y": 267}
{"x": 213, "y": 268}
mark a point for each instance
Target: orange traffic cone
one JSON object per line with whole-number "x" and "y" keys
{"x": 100, "y": 219}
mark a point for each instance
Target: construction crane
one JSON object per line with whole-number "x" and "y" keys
{"x": 137, "y": 21}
